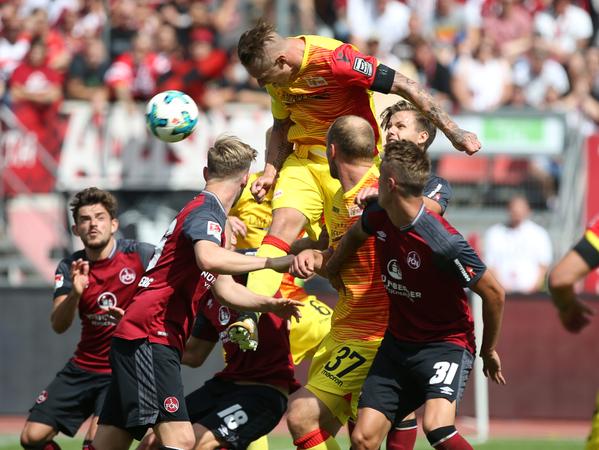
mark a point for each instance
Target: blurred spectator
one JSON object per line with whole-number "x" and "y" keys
{"x": 167, "y": 44}
{"x": 123, "y": 27}
{"x": 386, "y": 19}
{"x": 86, "y": 75}
{"x": 564, "y": 29}
{"x": 509, "y": 26}
{"x": 541, "y": 79}
{"x": 13, "y": 46}
{"x": 53, "y": 8}
{"x": 431, "y": 72}
{"x": 236, "y": 85}
{"x": 452, "y": 25}
{"x": 482, "y": 82}
{"x": 206, "y": 64}
{"x": 133, "y": 75}
{"x": 57, "y": 54}
{"x": 92, "y": 19}
{"x": 592, "y": 63}
{"x": 518, "y": 252}
{"x": 36, "y": 93}
{"x": 176, "y": 15}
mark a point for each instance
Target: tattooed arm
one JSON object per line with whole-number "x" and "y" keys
{"x": 277, "y": 151}
{"x": 461, "y": 139}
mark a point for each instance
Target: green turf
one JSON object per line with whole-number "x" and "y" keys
{"x": 284, "y": 443}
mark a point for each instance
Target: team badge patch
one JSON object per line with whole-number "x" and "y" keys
{"x": 362, "y": 66}
{"x": 413, "y": 260}
{"x": 58, "y": 280}
{"x": 106, "y": 300}
{"x": 171, "y": 404}
{"x": 224, "y": 315}
{"x": 214, "y": 229}
{"x": 42, "y": 397}
{"x": 127, "y": 275}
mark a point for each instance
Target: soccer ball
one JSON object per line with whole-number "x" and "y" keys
{"x": 171, "y": 115}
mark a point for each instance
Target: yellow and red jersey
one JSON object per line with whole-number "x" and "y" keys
{"x": 363, "y": 309}
{"x": 333, "y": 81}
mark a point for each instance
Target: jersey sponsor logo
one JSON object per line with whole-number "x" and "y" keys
{"x": 101, "y": 320}
{"x": 171, "y": 404}
{"x": 277, "y": 194}
{"x": 413, "y": 260}
{"x": 42, "y": 397}
{"x": 209, "y": 278}
{"x": 394, "y": 270}
{"x": 233, "y": 416}
{"x": 462, "y": 270}
{"x": 127, "y": 275}
{"x": 106, "y": 300}
{"x": 58, "y": 280}
{"x": 223, "y": 315}
{"x": 214, "y": 229}
{"x": 362, "y": 66}
{"x": 395, "y": 288}
{"x": 145, "y": 282}
{"x": 381, "y": 236}
{"x": 316, "y": 81}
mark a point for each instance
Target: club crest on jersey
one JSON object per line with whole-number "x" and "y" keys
{"x": 42, "y": 397}
{"x": 394, "y": 270}
{"x": 214, "y": 229}
{"x": 224, "y": 315}
{"x": 171, "y": 404}
{"x": 354, "y": 211}
{"x": 362, "y": 66}
{"x": 127, "y": 275}
{"x": 106, "y": 300}
{"x": 413, "y": 260}
{"x": 58, "y": 280}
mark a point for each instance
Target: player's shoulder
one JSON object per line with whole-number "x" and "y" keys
{"x": 439, "y": 234}
{"x": 132, "y": 246}
{"x": 323, "y": 42}
{"x": 205, "y": 200}
{"x": 67, "y": 260}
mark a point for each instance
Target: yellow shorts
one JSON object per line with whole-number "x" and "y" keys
{"x": 306, "y": 335}
{"x": 338, "y": 372}
{"x": 593, "y": 439}
{"x": 306, "y": 185}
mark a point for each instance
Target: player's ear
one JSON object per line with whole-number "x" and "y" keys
{"x": 281, "y": 61}
{"x": 114, "y": 225}
{"x": 205, "y": 173}
{"x": 422, "y": 137}
{"x": 74, "y": 229}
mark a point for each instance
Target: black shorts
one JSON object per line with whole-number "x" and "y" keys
{"x": 404, "y": 375}
{"x": 73, "y": 396}
{"x": 146, "y": 387}
{"x": 236, "y": 414}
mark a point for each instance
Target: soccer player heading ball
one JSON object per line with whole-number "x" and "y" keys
{"x": 313, "y": 80}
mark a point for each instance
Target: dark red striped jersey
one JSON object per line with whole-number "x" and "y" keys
{"x": 112, "y": 282}
{"x": 424, "y": 268}
{"x": 166, "y": 303}
{"x": 271, "y": 363}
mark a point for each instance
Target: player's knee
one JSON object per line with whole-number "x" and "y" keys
{"x": 33, "y": 436}
{"x": 286, "y": 224}
{"x": 296, "y": 420}
{"x": 360, "y": 440}
{"x": 438, "y": 435}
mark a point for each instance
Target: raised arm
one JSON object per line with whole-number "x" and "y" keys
{"x": 235, "y": 295}
{"x": 277, "y": 150}
{"x": 215, "y": 259}
{"x": 65, "y": 307}
{"x": 493, "y": 297}
{"x": 462, "y": 140}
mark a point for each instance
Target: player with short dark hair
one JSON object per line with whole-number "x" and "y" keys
{"x": 146, "y": 388}
{"x": 97, "y": 283}
{"x": 313, "y": 80}
{"x": 573, "y": 313}
{"x": 428, "y": 349}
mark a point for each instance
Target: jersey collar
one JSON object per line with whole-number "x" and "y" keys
{"x": 413, "y": 222}
{"x": 217, "y": 201}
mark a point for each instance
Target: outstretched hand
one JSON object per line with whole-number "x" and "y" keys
{"x": 285, "y": 308}
{"x": 366, "y": 195}
{"x": 576, "y": 316}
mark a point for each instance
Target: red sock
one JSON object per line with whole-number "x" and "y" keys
{"x": 311, "y": 439}
{"x": 403, "y": 436}
{"x": 51, "y": 445}
{"x": 456, "y": 442}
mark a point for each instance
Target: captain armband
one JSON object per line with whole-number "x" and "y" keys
{"x": 383, "y": 79}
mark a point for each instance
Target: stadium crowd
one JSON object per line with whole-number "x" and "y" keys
{"x": 535, "y": 53}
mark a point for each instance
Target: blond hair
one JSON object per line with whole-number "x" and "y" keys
{"x": 230, "y": 157}
{"x": 423, "y": 122}
{"x": 409, "y": 165}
